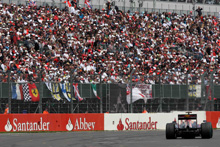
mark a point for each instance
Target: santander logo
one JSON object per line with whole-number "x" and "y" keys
{"x": 137, "y": 125}
{"x": 8, "y": 126}
{"x": 120, "y": 126}
{"x": 218, "y": 123}
{"x": 17, "y": 125}
{"x": 80, "y": 124}
{"x": 69, "y": 126}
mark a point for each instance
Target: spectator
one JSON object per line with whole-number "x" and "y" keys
{"x": 199, "y": 107}
{"x": 45, "y": 111}
{"x": 6, "y": 109}
{"x": 92, "y": 42}
{"x": 199, "y": 11}
{"x": 145, "y": 111}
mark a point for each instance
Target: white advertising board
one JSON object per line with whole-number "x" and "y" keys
{"x": 144, "y": 121}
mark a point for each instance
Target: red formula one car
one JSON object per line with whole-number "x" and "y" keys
{"x": 187, "y": 127}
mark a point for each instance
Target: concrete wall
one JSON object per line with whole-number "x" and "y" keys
{"x": 159, "y": 5}
{"x": 178, "y": 6}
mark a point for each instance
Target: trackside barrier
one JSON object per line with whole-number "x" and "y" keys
{"x": 93, "y": 121}
{"x": 146, "y": 121}
{"x": 51, "y": 122}
{"x": 214, "y": 118}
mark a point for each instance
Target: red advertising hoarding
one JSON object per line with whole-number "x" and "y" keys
{"x": 51, "y": 122}
{"x": 214, "y": 118}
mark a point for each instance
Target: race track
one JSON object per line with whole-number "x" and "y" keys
{"x": 103, "y": 139}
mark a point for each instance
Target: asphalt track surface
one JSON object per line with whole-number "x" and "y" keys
{"x": 103, "y": 139}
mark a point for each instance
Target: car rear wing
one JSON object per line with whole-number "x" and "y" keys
{"x": 187, "y": 116}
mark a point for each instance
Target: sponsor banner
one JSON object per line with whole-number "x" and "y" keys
{"x": 214, "y": 118}
{"x": 146, "y": 121}
{"x": 51, "y": 122}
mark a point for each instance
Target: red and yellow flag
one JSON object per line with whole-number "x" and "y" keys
{"x": 34, "y": 93}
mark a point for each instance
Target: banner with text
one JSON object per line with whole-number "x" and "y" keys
{"x": 146, "y": 121}
{"x": 51, "y": 122}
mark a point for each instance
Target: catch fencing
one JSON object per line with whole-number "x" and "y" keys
{"x": 156, "y": 93}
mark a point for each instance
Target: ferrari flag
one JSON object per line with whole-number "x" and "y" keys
{"x": 35, "y": 97}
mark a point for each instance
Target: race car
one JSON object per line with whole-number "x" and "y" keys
{"x": 187, "y": 127}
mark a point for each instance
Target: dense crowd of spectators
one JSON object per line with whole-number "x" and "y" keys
{"x": 107, "y": 42}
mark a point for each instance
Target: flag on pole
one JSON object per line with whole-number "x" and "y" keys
{"x": 25, "y": 88}
{"x": 35, "y": 97}
{"x": 54, "y": 90}
{"x": 32, "y": 3}
{"x": 194, "y": 90}
{"x": 26, "y": 91}
{"x": 68, "y": 4}
{"x": 14, "y": 94}
{"x": 17, "y": 92}
{"x": 94, "y": 89}
{"x": 136, "y": 95}
{"x": 66, "y": 90}
{"x": 76, "y": 92}
{"x": 87, "y": 2}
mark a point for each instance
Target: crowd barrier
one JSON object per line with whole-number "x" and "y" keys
{"x": 97, "y": 122}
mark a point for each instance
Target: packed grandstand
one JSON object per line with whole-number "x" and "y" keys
{"x": 107, "y": 42}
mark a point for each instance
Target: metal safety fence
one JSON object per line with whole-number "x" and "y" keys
{"x": 128, "y": 94}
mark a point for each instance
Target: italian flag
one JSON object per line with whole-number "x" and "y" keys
{"x": 95, "y": 90}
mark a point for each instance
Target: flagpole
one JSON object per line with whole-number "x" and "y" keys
{"x": 212, "y": 89}
{"x": 131, "y": 107}
{"x": 60, "y": 4}
{"x": 40, "y": 91}
{"x": 9, "y": 91}
{"x": 100, "y": 87}
{"x": 161, "y": 101}
{"x": 124, "y": 6}
{"x": 71, "y": 88}
{"x": 187, "y": 95}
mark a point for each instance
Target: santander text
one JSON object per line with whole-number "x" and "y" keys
{"x": 30, "y": 126}
{"x": 150, "y": 125}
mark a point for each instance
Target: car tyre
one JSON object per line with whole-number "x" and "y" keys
{"x": 170, "y": 131}
{"x": 206, "y": 130}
